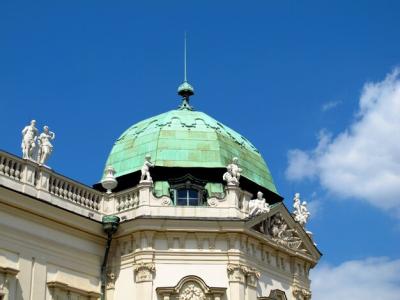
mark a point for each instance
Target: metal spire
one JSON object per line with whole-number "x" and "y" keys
{"x": 185, "y": 60}
{"x": 185, "y": 89}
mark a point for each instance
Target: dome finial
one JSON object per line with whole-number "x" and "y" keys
{"x": 185, "y": 89}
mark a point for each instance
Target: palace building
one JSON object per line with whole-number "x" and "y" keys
{"x": 186, "y": 209}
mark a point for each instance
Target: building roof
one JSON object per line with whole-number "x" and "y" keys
{"x": 185, "y": 138}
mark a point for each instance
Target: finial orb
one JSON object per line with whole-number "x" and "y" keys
{"x": 185, "y": 89}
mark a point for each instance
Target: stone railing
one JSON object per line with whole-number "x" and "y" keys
{"x": 10, "y": 166}
{"x": 30, "y": 178}
{"x": 127, "y": 199}
{"x": 75, "y": 192}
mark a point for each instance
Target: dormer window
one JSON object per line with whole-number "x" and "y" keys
{"x": 187, "y": 194}
{"x": 188, "y": 197}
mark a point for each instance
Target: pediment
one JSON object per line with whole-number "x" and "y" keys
{"x": 279, "y": 227}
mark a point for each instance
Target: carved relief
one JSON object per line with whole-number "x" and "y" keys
{"x": 281, "y": 233}
{"x": 191, "y": 288}
{"x": 192, "y": 291}
{"x": 276, "y": 228}
{"x": 144, "y": 271}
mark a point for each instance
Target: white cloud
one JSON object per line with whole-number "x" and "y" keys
{"x": 372, "y": 278}
{"x": 330, "y": 105}
{"x": 362, "y": 162}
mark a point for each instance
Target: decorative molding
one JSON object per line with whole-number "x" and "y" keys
{"x": 54, "y": 285}
{"x": 274, "y": 295}
{"x": 243, "y": 274}
{"x": 191, "y": 288}
{"x": 111, "y": 280}
{"x": 144, "y": 271}
{"x": 6, "y": 273}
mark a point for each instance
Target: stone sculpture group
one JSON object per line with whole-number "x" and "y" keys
{"x": 34, "y": 146}
{"x": 300, "y": 213}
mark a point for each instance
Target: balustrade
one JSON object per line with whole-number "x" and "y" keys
{"x": 127, "y": 200}
{"x": 74, "y": 192}
{"x": 10, "y": 167}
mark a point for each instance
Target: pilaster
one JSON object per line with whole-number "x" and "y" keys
{"x": 237, "y": 281}
{"x": 144, "y": 272}
{"x": 242, "y": 281}
{"x": 232, "y": 195}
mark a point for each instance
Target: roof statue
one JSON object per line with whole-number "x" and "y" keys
{"x": 37, "y": 147}
{"x": 300, "y": 213}
{"x": 45, "y": 146}
{"x": 145, "y": 171}
{"x": 258, "y": 206}
{"x": 232, "y": 174}
{"x": 29, "y": 137}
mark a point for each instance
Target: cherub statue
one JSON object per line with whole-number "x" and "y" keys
{"x": 235, "y": 168}
{"x": 45, "y": 146}
{"x": 146, "y": 169}
{"x": 232, "y": 175}
{"x": 300, "y": 213}
{"x": 29, "y": 136}
{"x": 258, "y": 206}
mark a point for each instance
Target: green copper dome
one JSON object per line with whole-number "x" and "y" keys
{"x": 187, "y": 139}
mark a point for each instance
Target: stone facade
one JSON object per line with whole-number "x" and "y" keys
{"x": 52, "y": 243}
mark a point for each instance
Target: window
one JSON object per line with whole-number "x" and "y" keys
{"x": 189, "y": 197}
{"x": 187, "y": 191}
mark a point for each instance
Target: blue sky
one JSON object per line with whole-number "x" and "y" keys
{"x": 286, "y": 74}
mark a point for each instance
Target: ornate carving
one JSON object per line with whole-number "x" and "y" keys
{"x": 166, "y": 201}
{"x": 192, "y": 291}
{"x": 242, "y": 273}
{"x": 280, "y": 233}
{"x": 144, "y": 271}
{"x": 191, "y": 288}
{"x": 145, "y": 171}
{"x": 111, "y": 280}
{"x": 300, "y": 213}
{"x": 232, "y": 175}
{"x": 300, "y": 293}
{"x": 258, "y": 206}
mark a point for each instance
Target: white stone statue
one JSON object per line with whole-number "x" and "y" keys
{"x": 300, "y": 213}
{"x": 146, "y": 169}
{"x": 29, "y": 136}
{"x": 232, "y": 175}
{"x": 258, "y": 206}
{"x": 45, "y": 146}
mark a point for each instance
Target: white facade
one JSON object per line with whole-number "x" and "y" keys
{"x": 52, "y": 243}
